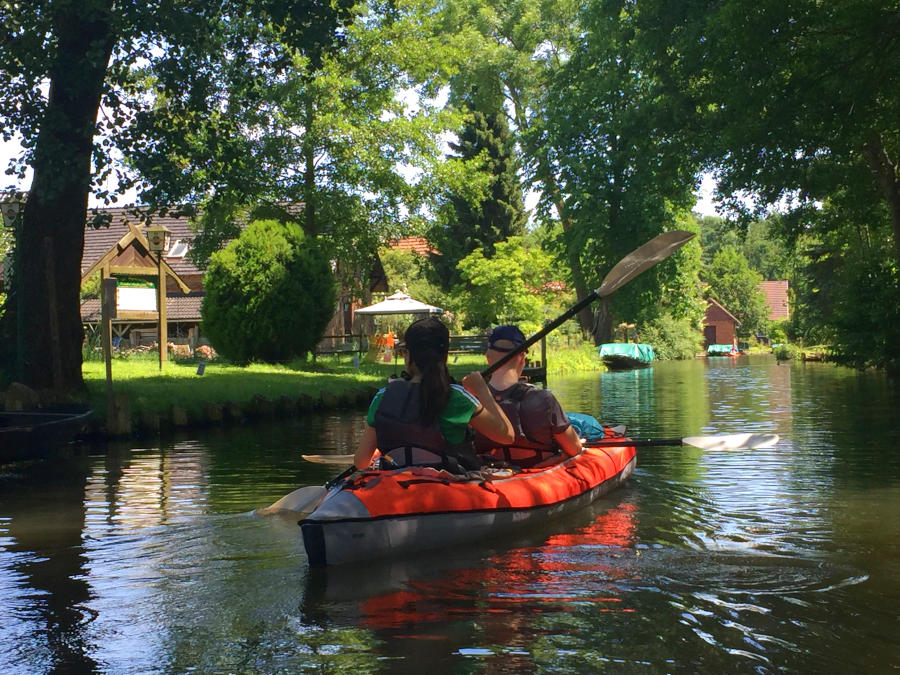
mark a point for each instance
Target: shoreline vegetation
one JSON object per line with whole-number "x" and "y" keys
{"x": 146, "y": 401}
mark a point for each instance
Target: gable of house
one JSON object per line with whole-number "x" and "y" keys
{"x": 776, "y": 293}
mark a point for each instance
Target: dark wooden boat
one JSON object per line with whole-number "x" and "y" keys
{"x": 626, "y": 355}
{"x": 29, "y": 434}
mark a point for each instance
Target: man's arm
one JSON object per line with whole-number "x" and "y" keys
{"x": 568, "y": 441}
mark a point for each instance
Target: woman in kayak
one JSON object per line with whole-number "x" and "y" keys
{"x": 424, "y": 419}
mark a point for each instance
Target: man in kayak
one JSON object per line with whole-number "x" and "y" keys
{"x": 542, "y": 428}
{"x": 422, "y": 419}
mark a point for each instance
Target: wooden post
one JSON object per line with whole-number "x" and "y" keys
{"x": 163, "y": 328}
{"x": 107, "y": 313}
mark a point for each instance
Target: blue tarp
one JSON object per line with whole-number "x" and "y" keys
{"x": 640, "y": 352}
{"x": 720, "y": 349}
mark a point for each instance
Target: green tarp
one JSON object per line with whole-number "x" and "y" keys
{"x": 720, "y": 349}
{"x": 641, "y": 352}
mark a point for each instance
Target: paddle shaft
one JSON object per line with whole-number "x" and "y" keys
{"x": 556, "y": 323}
{"x": 635, "y": 442}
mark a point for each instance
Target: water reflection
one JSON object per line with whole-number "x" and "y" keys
{"x": 45, "y": 587}
{"x": 489, "y": 606}
{"x": 147, "y": 559}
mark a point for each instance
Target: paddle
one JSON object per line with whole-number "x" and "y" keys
{"x": 639, "y": 260}
{"x": 305, "y": 500}
{"x": 719, "y": 442}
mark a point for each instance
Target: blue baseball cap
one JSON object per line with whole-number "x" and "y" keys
{"x": 506, "y": 338}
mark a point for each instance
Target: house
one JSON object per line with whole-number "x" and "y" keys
{"x": 183, "y": 308}
{"x": 719, "y": 325}
{"x": 776, "y": 293}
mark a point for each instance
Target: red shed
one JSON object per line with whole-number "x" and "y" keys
{"x": 719, "y": 325}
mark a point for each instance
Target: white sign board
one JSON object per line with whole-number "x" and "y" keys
{"x": 136, "y": 296}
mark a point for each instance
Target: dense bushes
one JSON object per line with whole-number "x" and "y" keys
{"x": 672, "y": 338}
{"x": 269, "y": 294}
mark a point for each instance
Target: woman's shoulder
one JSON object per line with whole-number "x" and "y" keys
{"x": 460, "y": 393}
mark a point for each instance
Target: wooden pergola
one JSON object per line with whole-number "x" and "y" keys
{"x": 131, "y": 257}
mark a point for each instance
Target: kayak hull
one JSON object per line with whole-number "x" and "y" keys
{"x": 384, "y": 513}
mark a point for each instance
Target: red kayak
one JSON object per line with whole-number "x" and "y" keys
{"x": 382, "y": 513}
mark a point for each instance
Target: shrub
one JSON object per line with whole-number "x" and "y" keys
{"x": 672, "y": 338}
{"x": 269, "y": 294}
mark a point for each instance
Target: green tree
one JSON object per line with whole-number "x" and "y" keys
{"x": 508, "y": 288}
{"x": 348, "y": 144}
{"x": 494, "y": 216}
{"x": 90, "y": 52}
{"x": 269, "y": 294}
{"x": 622, "y": 156}
{"x": 508, "y": 54}
{"x": 734, "y": 284}
{"x": 801, "y": 108}
{"x": 409, "y": 271}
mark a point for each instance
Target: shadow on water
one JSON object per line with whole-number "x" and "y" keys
{"x": 43, "y": 535}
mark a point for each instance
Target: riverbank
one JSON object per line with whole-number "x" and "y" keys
{"x": 145, "y": 401}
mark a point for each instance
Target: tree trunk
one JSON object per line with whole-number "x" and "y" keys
{"x": 586, "y": 315}
{"x": 52, "y": 231}
{"x": 885, "y": 172}
{"x": 601, "y": 330}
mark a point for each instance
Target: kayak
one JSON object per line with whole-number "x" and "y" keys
{"x": 383, "y": 513}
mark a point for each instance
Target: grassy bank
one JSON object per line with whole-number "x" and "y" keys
{"x": 178, "y": 384}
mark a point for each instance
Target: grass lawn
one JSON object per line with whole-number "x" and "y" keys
{"x": 150, "y": 389}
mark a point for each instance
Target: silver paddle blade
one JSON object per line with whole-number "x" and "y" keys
{"x": 732, "y": 441}
{"x": 301, "y": 501}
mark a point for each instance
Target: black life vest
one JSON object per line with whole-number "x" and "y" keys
{"x": 406, "y": 441}
{"x": 524, "y": 451}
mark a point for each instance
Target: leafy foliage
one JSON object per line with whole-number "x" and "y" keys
{"x": 508, "y": 288}
{"x": 736, "y": 286}
{"x": 672, "y": 338}
{"x": 800, "y": 106}
{"x": 622, "y": 154}
{"x": 490, "y": 217}
{"x": 269, "y": 294}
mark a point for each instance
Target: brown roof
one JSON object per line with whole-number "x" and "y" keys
{"x": 776, "y": 293}
{"x": 716, "y": 312}
{"x": 418, "y": 245}
{"x": 178, "y": 308}
{"x": 98, "y": 241}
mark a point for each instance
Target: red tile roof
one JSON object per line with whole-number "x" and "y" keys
{"x": 418, "y": 245}
{"x": 776, "y": 293}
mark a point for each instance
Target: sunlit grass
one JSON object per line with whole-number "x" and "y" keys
{"x": 179, "y": 384}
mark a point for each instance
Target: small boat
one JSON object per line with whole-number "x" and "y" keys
{"x": 381, "y": 513}
{"x": 626, "y": 355}
{"x": 723, "y": 350}
{"x": 29, "y": 434}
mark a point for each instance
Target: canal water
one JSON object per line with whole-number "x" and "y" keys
{"x": 146, "y": 559}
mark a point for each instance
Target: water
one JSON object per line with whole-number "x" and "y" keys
{"x": 146, "y": 559}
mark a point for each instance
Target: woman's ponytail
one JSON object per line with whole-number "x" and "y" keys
{"x": 427, "y": 341}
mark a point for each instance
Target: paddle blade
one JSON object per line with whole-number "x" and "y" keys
{"x": 731, "y": 441}
{"x": 302, "y": 501}
{"x": 641, "y": 259}
{"x": 329, "y": 459}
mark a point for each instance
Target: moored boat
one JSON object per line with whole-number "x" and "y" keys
{"x": 626, "y": 355}
{"x": 30, "y": 434}
{"x": 382, "y": 513}
{"x": 723, "y": 350}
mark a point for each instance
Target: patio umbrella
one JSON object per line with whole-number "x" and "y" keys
{"x": 400, "y": 303}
